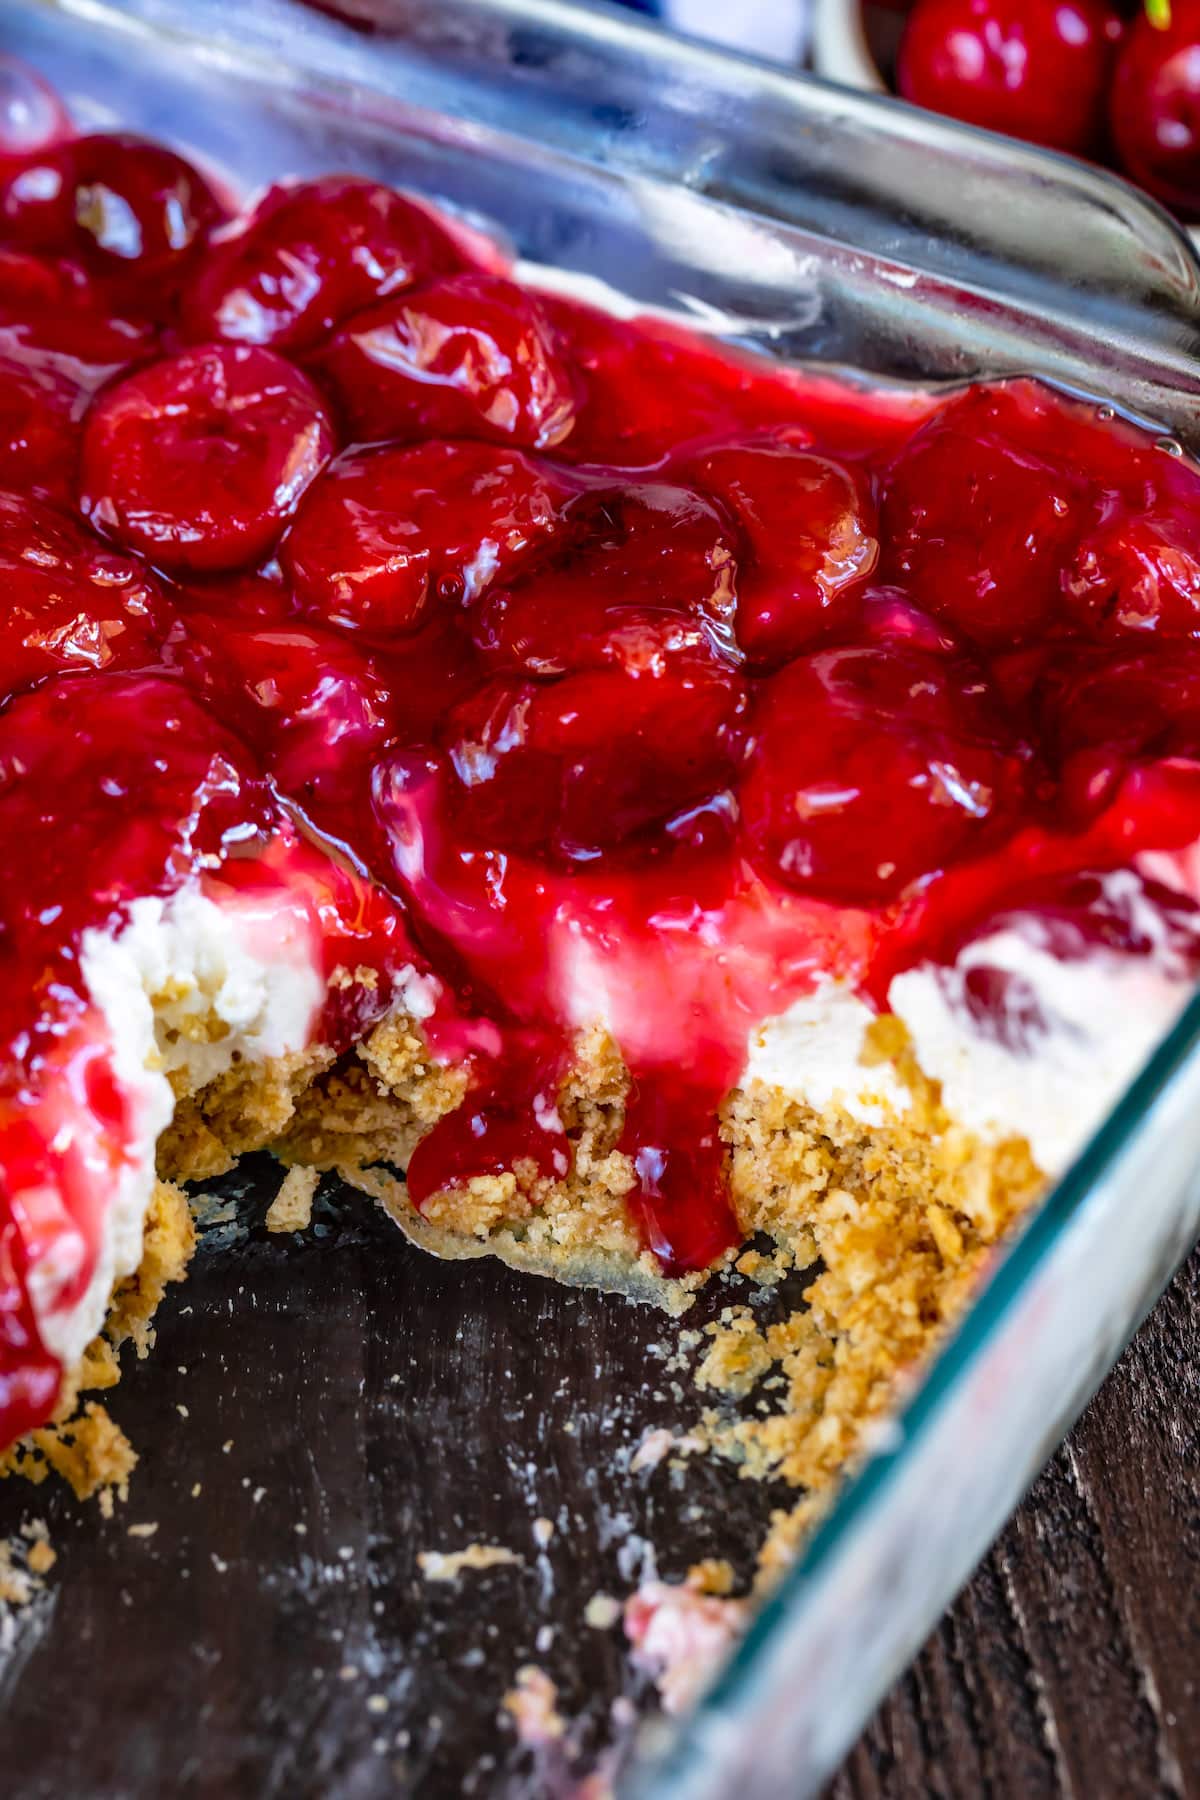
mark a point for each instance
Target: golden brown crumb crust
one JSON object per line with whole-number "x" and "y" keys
{"x": 895, "y": 1222}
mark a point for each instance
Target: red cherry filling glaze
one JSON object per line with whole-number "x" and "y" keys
{"x": 199, "y": 461}
{"x": 308, "y": 257}
{"x": 625, "y": 679}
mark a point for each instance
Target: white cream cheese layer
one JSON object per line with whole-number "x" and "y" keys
{"x": 814, "y": 1051}
{"x": 1044, "y": 1057}
{"x": 185, "y": 984}
{"x": 1099, "y": 1019}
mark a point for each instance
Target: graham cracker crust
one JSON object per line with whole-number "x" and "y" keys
{"x": 894, "y": 1220}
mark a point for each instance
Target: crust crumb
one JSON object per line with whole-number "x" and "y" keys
{"x": 601, "y": 1612}
{"x": 448, "y": 1565}
{"x": 713, "y": 1575}
{"x": 533, "y": 1706}
{"x": 25, "y": 1559}
{"x": 291, "y": 1209}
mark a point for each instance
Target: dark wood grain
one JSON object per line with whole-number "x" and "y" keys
{"x": 317, "y": 1412}
{"x": 341, "y": 1402}
{"x": 1071, "y": 1664}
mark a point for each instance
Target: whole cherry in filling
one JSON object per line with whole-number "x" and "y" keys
{"x": 130, "y": 211}
{"x": 874, "y": 766}
{"x": 469, "y": 356}
{"x": 106, "y": 811}
{"x": 637, "y": 570}
{"x": 315, "y": 706}
{"x": 309, "y": 256}
{"x": 71, "y": 603}
{"x": 50, "y": 305}
{"x": 388, "y": 534}
{"x": 810, "y": 534}
{"x": 41, "y": 419}
{"x": 982, "y": 512}
{"x": 199, "y": 460}
{"x": 573, "y": 766}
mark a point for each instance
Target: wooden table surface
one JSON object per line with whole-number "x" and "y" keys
{"x": 356, "y": 1401}
{"x": 1071, "y": 1664}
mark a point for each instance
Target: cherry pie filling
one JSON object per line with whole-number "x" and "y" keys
{"x": 585, "y": 664}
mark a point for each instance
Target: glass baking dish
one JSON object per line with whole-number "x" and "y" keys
{"x": 810, "y": 223}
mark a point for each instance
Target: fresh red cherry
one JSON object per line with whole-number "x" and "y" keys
{"x": 123, "y": 207}
{"x": 874, "y": 766}
{"x": 573, "y": 767}
{"x": 385, "y": 533}
{"x": 810, "y": 535}
{"x": 645, "y": 570}
{"x": 1037, "y": 69}
{"x": 308, "y": 257}
{"x": 70, "y": 602}
{"x": 470, "y": 356}
{"x": 979, "y": 519}
{"x": 31, "y": 113}
{"x": 198, "y": 461}
{"x": 1154, "y": 107}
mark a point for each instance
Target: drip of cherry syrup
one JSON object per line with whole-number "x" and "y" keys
{"x": 588, "y": 668}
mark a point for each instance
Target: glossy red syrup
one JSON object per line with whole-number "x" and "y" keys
{"x": 594, "y": 670}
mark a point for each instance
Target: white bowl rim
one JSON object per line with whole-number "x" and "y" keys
{"x": 840, "y": 48}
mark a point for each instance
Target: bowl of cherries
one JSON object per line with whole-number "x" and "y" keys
{"x": 1115, "y": 81}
